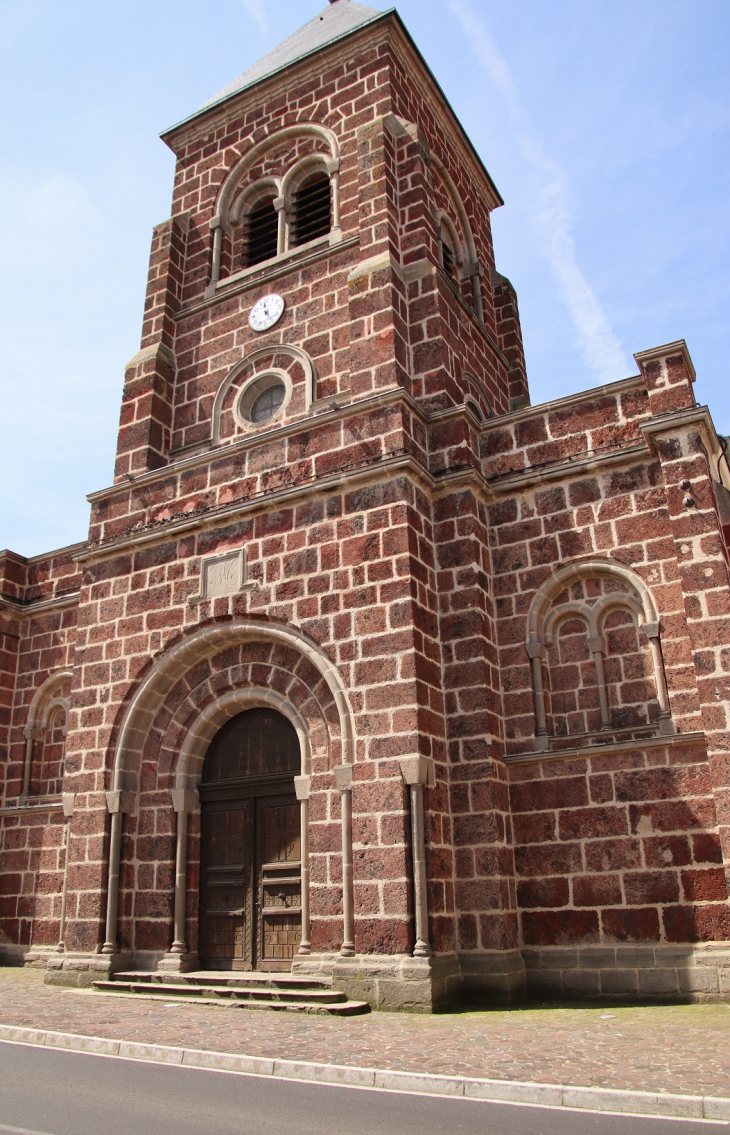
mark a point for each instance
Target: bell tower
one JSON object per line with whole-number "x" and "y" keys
{"x": 325, "y": 333}
{"x": 373, "y": 182}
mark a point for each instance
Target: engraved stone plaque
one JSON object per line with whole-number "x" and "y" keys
{"x": 222, "y": 575}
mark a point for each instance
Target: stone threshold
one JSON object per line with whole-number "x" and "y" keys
{"x": 571, "y": 1098}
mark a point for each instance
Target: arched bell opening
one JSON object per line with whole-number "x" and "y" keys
{"x": 251, "y": 849}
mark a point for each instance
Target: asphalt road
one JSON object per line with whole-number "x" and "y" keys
{"x": 44, "y": 1092}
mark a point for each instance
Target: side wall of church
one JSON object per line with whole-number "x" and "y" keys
{"x": 32, "y": 855}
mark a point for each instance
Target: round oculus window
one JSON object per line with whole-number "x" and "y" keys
{"x": 261, "y": 399}
{"x": 267, "y": 402}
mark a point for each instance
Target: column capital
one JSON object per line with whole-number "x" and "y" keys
{"x": 418, "y": 770}
{"x": 185, "y": 799}
{"x": 120, "y": 801}
{"x": 343, "y": 776}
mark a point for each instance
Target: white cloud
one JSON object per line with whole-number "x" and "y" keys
{"x": 256, "y": 11}
{"x": 600, "y": 346}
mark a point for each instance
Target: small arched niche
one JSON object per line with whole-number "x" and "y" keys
{"x": 45, "y": 736}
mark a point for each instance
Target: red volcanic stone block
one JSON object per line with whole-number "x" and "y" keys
{"x": 643, "y": 887}
{"x": 587, "y": 823}
{"x": 704, "y": 886}
{"x": 612, "y": 854}
{"x": 536, "y": 796}
{"x": 631, "y": 925}
{"x": 559, "y": 928}
{"x": 706, "y": 848}
{"x": 550, "y": 500}
{"x": 584, "y": 492}
{"x": 667, "y": 851}
{"x": 712, "y": 921}
{"x": 542, "y": 892}
{"x": 503, "y": 512}
{"x": 663, "y": 783}
{"x": 548, "y": 859}
{"x": 673, "y": 816}
{"x": 534, "y": 827}
{"x": 597, "y": 890}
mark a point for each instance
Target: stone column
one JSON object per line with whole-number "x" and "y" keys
{"x": 536, "y": 652}
{"x": 118, "y": 804}
{"x": 666, "y": 724}
{"x": 69, "y": 801}
{"x": 216, "y": 227}
{"x": 178, "y": 959}
{"x": 31, "y": 734}
{"x": 343, "y": 776}
{"x": 302, "y": 786}
{"x": 598, "y": 650}
{"x": 417, "y": 773}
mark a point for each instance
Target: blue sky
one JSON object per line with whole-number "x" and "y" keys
{"x": 604, "y": 125}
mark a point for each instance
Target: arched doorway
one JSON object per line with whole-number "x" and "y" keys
{"x": 250, "y": 859}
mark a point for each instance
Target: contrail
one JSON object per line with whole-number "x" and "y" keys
{"x": 602, "y": 351}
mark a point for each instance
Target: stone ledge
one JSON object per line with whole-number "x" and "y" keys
{"x": 659, "y": 741}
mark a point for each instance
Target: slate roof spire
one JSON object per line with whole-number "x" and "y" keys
{"x": 335, "y": 22}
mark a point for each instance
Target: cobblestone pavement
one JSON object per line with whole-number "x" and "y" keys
{"x": 675, "y": 1048}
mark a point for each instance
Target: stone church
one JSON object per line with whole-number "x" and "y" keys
{"x": 369, "y": 670}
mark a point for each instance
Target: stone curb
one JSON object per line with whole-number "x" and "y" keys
{"x": 497, "y": 1091}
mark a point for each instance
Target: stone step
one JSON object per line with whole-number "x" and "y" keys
{"x": 144, "y": 991}
{"x": 237, "y": 992}
{"x": 243, "y": 978}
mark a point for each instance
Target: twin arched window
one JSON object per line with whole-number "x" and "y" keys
{"x": 274, "y": 222}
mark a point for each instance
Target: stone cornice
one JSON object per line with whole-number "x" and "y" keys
{"x": 379, "y": 469}
{"x": 679, "y": 419}
{"x": 693, "y": 416}
{"x": 572, "y": 466}
{"x": 384, "y": 468}
{"x": 634, "y": 382}
{"x": 337, "y": 412}
{"x": 223, "y": 452}
{"x": 23, "y": 610}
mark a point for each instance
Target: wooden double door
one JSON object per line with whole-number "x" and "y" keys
{"x": 250, "y": 863}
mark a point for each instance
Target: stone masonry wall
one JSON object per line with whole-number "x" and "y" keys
{"x": 31, "y": 844}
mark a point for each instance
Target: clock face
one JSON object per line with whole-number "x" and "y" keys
{"x": 266, "y": 312}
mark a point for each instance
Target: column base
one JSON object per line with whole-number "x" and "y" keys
{"x": 389, "y": 982}
{"x": 178, "y": 963}
{"x": 81, "y": 970}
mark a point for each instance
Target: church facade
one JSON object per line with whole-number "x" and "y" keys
{"x": 369, "y": 669}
